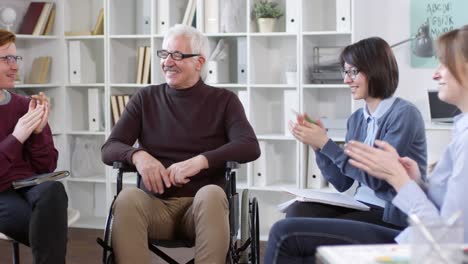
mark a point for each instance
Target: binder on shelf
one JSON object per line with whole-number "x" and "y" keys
{"x": 211, "y": 10}
{"x": 42, "y": 21}
{"x": 82, "y": 68}
{"x": 143, "y": 17}
{"x": 343, "y": 13}
{"x": 115, "y": 109}
{"x": 292, "y": 16}
{"x": 260, "y": 166}
{"x": 244, "y": 99}
{"x": 290, "y": 101}
{"x": 99, "y": 25}
{"x": 218, "y": 72}
{"x": 31, "y": 17}
{"x": 314, "y": 177}
{"x": 140, "y": 62}
{"x": 95, "y": 115}
{"x": 241, "y": 60}
{"x": 189, "y": 13}
{"x": 163, "y": 16}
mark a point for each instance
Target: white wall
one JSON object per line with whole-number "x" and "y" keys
{"x": 390, "y": 20}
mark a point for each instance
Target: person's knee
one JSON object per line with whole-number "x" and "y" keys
{"x": 54, "y": 194}
{"x": 127, "y": 201}
{"x": 210, "y": 196}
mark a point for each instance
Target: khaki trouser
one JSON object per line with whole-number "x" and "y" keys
{"x": 203, "y": 219}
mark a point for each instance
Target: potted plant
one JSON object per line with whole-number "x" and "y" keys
{"x": 266, "y": 14}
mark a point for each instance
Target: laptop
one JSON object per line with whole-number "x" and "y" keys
{"x": 441, "y": 112}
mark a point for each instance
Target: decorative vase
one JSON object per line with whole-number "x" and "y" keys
{"x": 266, "y": 25}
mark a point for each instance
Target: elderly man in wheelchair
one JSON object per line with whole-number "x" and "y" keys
{"x": 186, "y": 132}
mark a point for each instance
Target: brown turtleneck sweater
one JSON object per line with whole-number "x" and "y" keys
{"x": 174, "y": 125}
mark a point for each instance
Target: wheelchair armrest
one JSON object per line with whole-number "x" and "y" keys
{"x": 123, "y": 168}
{"x": 232, "y": 165}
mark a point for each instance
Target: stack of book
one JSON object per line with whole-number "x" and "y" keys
{"x": 38, "y": 19}
{"x": 40, "y": 70}
{"x": 118, "y": 103}
{"x": 143, "y": 65}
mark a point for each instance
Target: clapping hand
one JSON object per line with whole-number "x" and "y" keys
{"x": 382, "y": 162}
{"x": 29, "y": 122}
{"x": 41, "y": 100}
{"x": 313, "y": 134}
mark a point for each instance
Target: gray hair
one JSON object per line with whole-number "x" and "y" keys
{"x": 198, "y": 42}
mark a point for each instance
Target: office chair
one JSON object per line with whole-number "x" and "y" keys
{"x": 73, "y": 216}
{"x": 245, "y": 251}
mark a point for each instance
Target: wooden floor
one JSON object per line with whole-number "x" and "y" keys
{"x": 82, "y": 248}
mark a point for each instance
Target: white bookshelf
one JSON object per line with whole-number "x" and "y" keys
{"x": 115, "y": 59}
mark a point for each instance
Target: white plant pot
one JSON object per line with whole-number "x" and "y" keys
{"x": 266, "y": 24}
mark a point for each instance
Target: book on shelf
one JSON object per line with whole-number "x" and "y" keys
{"x": 31, "y": 17}
{"x": 126, "y": 98}
{"x": 38, "y": 179}
{"x": 115, "y": 109}
{"x": 140, "y": 62}
{"x": 43, "y": 18}
{"x": 78, "y": 33}
{"x": 324, "y": 197}
{"x": 120, "y": 101}
{"x": 50, "y": 21}
{"x": 99, "y": 25}
{"x": 146, "y": 77}
{"x": 40, "y": 70}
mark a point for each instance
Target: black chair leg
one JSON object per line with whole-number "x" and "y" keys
{"x": 16, "y": 256}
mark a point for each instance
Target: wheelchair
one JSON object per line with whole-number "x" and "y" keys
{"x": 245, "y": 250}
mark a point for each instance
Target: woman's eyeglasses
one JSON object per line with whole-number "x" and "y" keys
{"x": 351, "y": 73}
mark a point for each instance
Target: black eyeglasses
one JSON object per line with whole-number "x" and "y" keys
{"x": 352, "y": 73}
{"x": 10, "y": 59}
{"x": 176, "y": 55}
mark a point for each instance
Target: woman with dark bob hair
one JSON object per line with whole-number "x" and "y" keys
{"x": 370, "y": 69}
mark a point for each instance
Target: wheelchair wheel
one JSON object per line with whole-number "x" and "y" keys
{"x": 244, "y": 224}
{"x": 254, "y": 232}
{"x": 105, "y": 242}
